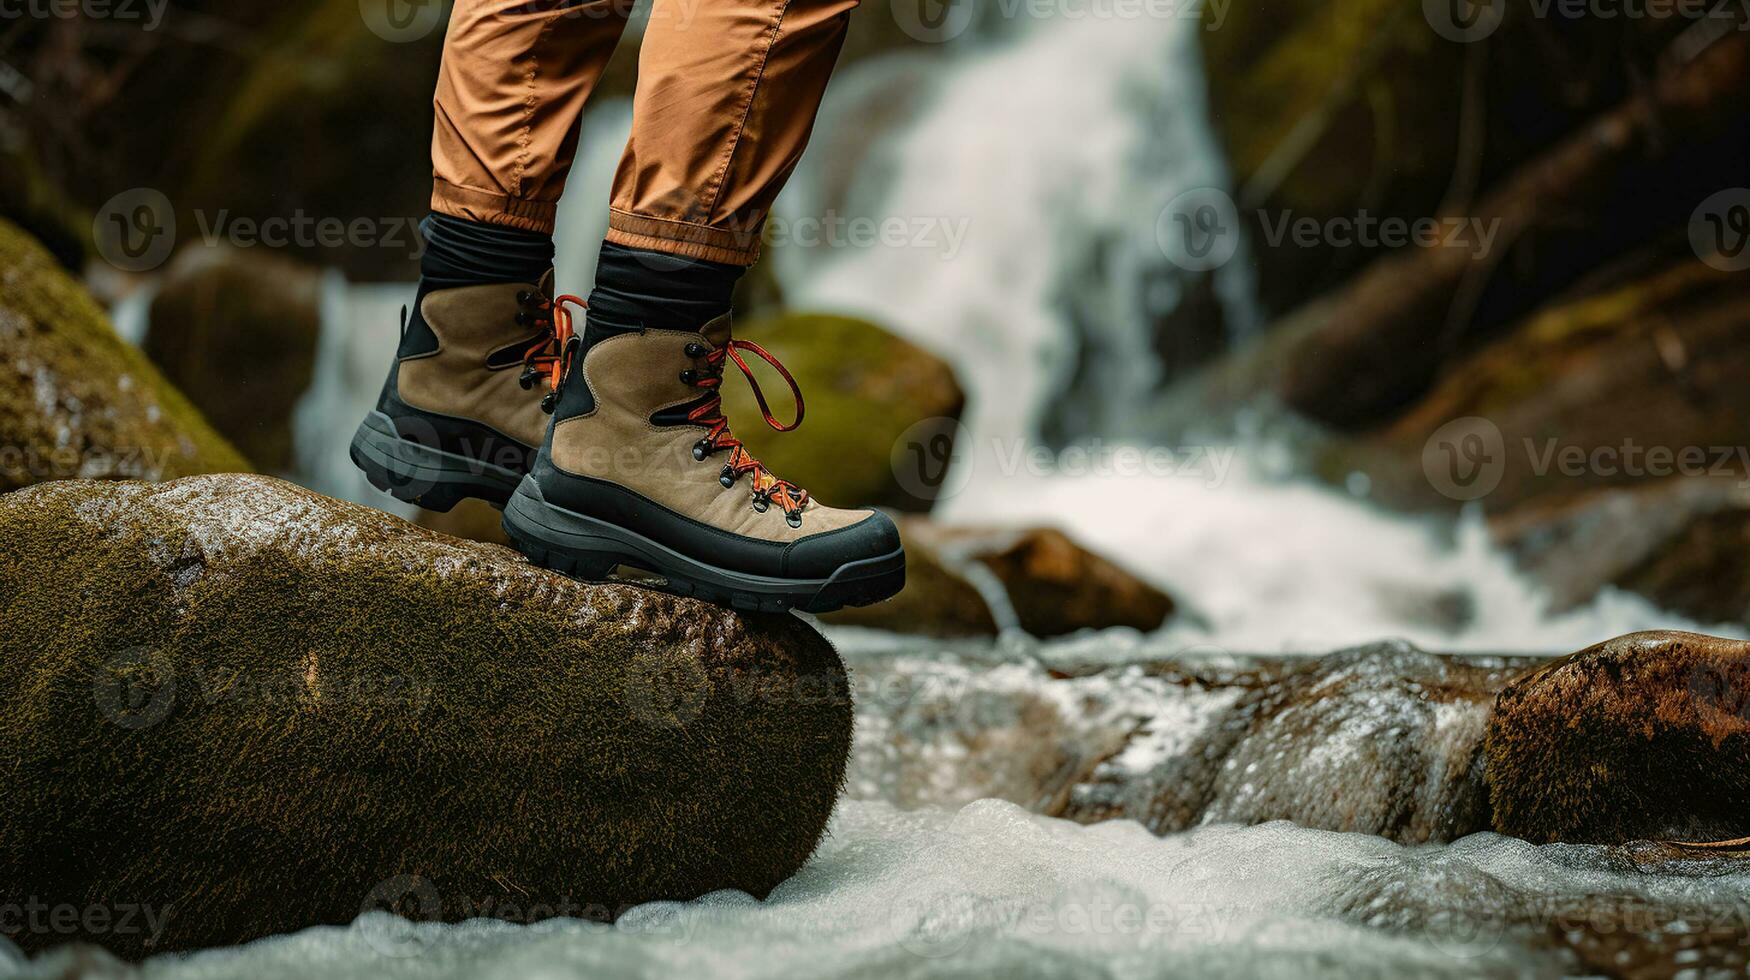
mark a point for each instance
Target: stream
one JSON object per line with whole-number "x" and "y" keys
{"x": 939, "y": 861}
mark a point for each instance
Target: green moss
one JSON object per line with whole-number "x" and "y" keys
{"x": 1276, "y": 66}
{"x": 236, "y": 330}
{"x": 82, "y": 402}
{"x": 250, "y": 706}
{"x": 863, "y": 387}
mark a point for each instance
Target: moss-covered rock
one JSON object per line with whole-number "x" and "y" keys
{"x": 863, "y": 387}
{"x": 251, "y": 708}
{"x": 1368, "y": 108}
{"x": 1622, "y": 388}
{"x": 1038, "y": 578}
{"x": 1683, "y": 542}
{"x": 325, "y": 121}
{"x": 78, "y": 401}
{"x": 1646, "y": 736}
{"x": 235, "y": 329}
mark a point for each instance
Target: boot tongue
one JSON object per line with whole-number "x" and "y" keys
{"x": 547, "y": 284}
{"x": 717, "y": 331}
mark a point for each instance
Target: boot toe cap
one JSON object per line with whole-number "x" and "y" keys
{"x": 819, "y": 555}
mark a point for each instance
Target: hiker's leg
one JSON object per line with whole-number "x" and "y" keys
{"x": 727, "y": 94}
{"x": 640, "y": 466}
{"x": 460, "y": 413}
{"x": 514, "y": 80}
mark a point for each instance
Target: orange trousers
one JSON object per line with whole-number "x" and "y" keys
{"x": 726, "y": 98}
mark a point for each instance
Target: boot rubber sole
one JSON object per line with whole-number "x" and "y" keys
{"x": 418, "y": 474}
{"x": 589, "y": 548}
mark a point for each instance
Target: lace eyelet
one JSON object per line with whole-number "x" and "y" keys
{"x": 525, "y": 319}
{"x": 689, "y": 376}
{"x": 761, "y": 504}
{"x": 727, "y": 477}
{"x": 697, "y": 350}
{"x": 701, "y": 449}
{"x": 793, "y": 518}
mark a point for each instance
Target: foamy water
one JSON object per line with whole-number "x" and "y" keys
{"x": 991, "y": 890}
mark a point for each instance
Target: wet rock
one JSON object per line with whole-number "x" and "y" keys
{"x": 236, "y": 330}
{"x": 1620, "y": 389}
{"x": 969, "y": 581}
{"x": 864, "y": 387}
{"x": 1682, "y": 542}
{"x": 269, "y": 153}
{"x": 1567, "y": 178}
{"x": 77, "y": 401}
{"x": 1646, "y": 736}
{"x": 1382, "y": 740}
{"x": 253, "y": 709}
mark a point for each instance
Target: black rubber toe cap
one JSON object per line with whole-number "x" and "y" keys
{"x": 819, "y": 555}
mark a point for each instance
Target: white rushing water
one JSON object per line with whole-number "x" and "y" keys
{"x": 991, "y": 890}
{"x": 1059, "y": 140}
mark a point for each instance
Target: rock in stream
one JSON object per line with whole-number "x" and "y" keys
{"x": 249, "y": 709}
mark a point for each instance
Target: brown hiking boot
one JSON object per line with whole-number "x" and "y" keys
{"x": 460, "y": 414}
{"x": 640, "y": 469}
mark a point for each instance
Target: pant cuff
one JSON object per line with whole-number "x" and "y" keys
{"x": 492, "y": 208}
{"x": 683, "y": 238}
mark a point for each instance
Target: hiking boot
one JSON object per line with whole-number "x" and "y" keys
{"x": 640, "y": 469}
{"x": 460, "y": 414}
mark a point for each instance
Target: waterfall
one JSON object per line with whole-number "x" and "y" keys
{"x": 1055, "y": 148}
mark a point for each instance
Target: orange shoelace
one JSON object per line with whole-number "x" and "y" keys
{"x": 550, "y": 356}
{"x": 767, "y": 488}
{"x": 547, "y": 356}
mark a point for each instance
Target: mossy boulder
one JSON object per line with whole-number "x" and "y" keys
{"x": 1374, "y": 109}
{"x": 78, "y": 401}
{"x": 863, "y": 388}
{"x": 235, "y": 329}
{"x": 248, "y": 709}
{"x": 1683, "y": 542}
{"x": 967, "y": 581}
{"x": 1644, "y": 737}
{"x": 1621, "y": 388}
{"x": 325, "y": 121}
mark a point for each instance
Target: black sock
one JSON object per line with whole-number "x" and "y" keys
{"x": 471, "y": 253}
{"x": 637, "y": 288}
